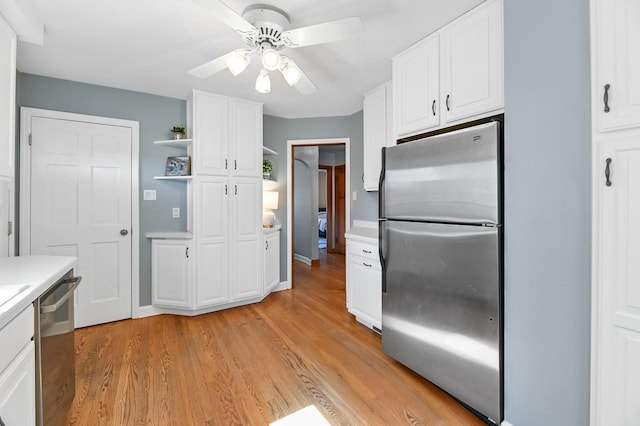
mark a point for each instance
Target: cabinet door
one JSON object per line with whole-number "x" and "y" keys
{"x": 212, "y": 235}
{"x": 246, "y": 220}
{"x": 472, "y": 63}
{"x": 617, "y": 295}
{"x": 376, "y": 133}
{"x": 211, "y": 134}
{"x": 416, "y": 87}
{"x": 364, "y": 281}
{"x": 7, "y": 97}
{"x": 170, "y": 274}
{"x": 617, "y": 47}
{"x": 246, "y": 137}
{"x": 17, "y": 389}
{"x": 271, "y": 261}
{"x": 5, "y": 215}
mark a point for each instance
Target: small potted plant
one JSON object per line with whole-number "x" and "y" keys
{"x": 178, "y": 132}
{"x": 267, "y": 168}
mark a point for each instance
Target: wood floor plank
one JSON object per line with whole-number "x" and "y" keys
{"x": 253, "y": 365}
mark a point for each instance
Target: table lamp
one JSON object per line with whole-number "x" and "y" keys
{"x": 269, "y": 203}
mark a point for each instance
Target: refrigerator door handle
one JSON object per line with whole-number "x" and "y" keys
{"x": 381, "y": 223}
{"x": 381, "y": 186}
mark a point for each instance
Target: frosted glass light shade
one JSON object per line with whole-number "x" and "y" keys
{"x": 291, "y": 74}
{"x": 263, "y": 82}
{"x": 270, "y": 59}
{"x": 237, "y": 62}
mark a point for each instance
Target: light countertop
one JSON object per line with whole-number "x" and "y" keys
{"x": 24, "y": 278}
{"x": 364, "y": 231}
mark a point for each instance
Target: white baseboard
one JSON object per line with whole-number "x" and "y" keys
{"x": 284, "y": 285}
{"x": 505, "y": 423}
{"x": 301, "y": 258}
{"x": 147, "y": 311}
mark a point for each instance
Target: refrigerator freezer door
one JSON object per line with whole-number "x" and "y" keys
{"x": 451, "y": 177}
{"x": 441, "y": 314}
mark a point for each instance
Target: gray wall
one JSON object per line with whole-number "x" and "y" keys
{"x": 156, "y": 115}
{"x": 276, "y": 133}
{"x": 547, "y": 212}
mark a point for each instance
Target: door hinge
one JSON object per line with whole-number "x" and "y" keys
{"x": 10, "y": 228}
{"x": 30, "y": 139}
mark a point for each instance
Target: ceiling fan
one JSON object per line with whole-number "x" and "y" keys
{"x": 264, "y": 29}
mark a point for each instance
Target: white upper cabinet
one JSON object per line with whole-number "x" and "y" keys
{"x": 228, "y": 135}
{"x": 246, "y": 137}
{"x": 211, "y": 131}
{"x": 416, "y": 87}
{"x": 472, "y": 63}
{"x": 7, "y": 97}
{"x": 617, "y": 49}
{"x": 454, "y": 75}
{"x": 377, "y": 133}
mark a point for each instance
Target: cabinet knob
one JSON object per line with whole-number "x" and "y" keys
{"x": 123, "y": 232}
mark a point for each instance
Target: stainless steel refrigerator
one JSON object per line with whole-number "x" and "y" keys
{"x": 441, "y": 254}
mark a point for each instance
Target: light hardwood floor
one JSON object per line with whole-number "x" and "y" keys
{"x": 253, "y": 365}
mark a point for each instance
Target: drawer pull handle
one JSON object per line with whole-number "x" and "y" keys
{"x": 366, "y": 251}
{"x": 367, "y": 265}
{"x": 606, "y": 97}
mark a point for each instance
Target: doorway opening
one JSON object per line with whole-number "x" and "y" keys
{"x": 318, "y": 211}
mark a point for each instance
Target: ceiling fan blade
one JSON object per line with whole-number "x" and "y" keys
{"x": 229, "y": 17}
{"x": 304, "y": 85}
{"x": 323, "y": 33}
{"x": 209, "y": 68}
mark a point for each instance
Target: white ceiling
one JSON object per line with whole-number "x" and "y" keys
{"x": 148, "y": 46}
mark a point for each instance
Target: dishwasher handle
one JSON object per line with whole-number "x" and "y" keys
{"x": 54, "y": 307}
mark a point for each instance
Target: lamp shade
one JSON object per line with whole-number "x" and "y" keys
{"x": 237, "y": 62}
{"x": 270, "y": 200}
{"x": 263, "y": 82}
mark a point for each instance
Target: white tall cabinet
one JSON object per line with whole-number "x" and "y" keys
{"x": 224, "y": 238}
{"x": 452, "y": 76}
{"x": 615, "y": 328}
{"x": 378, "y": 132}
{"x": 7, "y": 134}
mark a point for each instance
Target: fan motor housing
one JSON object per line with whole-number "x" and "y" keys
{"x": 270, "y": 22}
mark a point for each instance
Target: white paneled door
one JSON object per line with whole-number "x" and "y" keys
{"x": 80, "y": 205}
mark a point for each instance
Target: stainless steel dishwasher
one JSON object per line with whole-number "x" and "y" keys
{"x": 55, "y": 351}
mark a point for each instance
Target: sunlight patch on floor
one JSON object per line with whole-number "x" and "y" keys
{"x": 308, "y": 416}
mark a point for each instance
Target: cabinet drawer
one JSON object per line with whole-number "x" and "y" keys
{"x": 15, "y": 335}
{"x": 369, "y": 251}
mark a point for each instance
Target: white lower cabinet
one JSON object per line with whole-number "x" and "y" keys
{"x": 271, "y": 259}
{"x": 17, "y": 371}
{"x": 171, "y": 274}
{"x": 17, "y": 389}
{"x": 364, "y": 282}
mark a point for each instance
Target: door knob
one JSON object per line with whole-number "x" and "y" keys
{"x": 123, "y": 232}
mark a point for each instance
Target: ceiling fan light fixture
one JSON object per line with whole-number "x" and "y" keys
{"x": 291, "y": 74}
{"x": 263, "y": 82}
{"x": 271, "y": 59}
{"x": 237, "y": 62}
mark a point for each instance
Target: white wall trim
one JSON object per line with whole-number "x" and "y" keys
{"x": 301, "y": 142}
{"x": 505, "y": 423}
{"x": 284, "y": 285}
{"x": 301, "y": 258}
{"x": 26, "y": 114}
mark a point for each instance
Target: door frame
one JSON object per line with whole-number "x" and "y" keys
{"x": 347, "y": 160}
{"x": 24, "y": 238}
